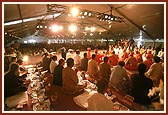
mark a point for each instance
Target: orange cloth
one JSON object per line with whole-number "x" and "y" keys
{"x": 124, "y": 56}
{"x": 149, "y": 56}
{"x": 138, "y": 58}
{"x": 88, "y": 55}
{"x": 148, "y": 63}
{"x": 99, "y": 58}
{"x": 131, "y": 63}
{"x": 113, "y": 60}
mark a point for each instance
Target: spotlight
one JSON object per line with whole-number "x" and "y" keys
{"x": 74, "y": 12}
{"x": 55, "y": 28}
{"x": 72, "y": 28}
{"x": 85, "y": 13}
{"x": 89, "y": 14}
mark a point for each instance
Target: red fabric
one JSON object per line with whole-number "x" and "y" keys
{"x": 124, "y": 56}
{"x": 88, "y": 55}
{"x": 131, "y": 64}
{"x": 113, "y": 60}
{"x": 139, "y": 58}
{"x": 148, "y": 63}
{"x": 99, "y": 58}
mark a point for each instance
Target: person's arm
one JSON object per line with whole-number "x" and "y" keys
{"x": 148, "y": 73}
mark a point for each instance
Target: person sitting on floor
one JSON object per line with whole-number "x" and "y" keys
{"x": 84, "y": 62}
{"x": 12, "y": 84}
{"x": 140, "y": 86}
{"x": 131, "y": 62}
{"x": 98, "y": 101}
{"x": 119, "y": 78}
{"x": 92, "y": 69}
{"x": 155, "y": 71}
{"x": 104, "y": 70}
{"x": 70, "y": 79}
{"x": 113, "y": 59}
{"x": 57, "y": 75}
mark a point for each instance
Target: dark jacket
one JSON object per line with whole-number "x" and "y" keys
{"x": 140, "y": 88}
{"x": 57, "y": 75}
{"x": 12, "y": 85}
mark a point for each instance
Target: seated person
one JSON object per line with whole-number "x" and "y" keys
{"x": 119, "y": 78}
{"x": 131, "y": 62}
{"x": 84, "y": 62}
{"x": 140, "y": 86}
{"x": 98, "y": 101}
{"x": 57, "y": 75}
{"x": 12, "y": 84}
{"x": 155, "y": 71}
{"x": 113, "y": 59}
{"x": 22, "y": 70}
{"x": 92, "y": 69}
{"x": 70, "y": 79}
{"x": 104, "y": 69}
{"x": 148, "y": 62}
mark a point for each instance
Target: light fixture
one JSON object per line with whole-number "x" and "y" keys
{"x": 74, "y": 11}
{"x": 55, "y": 28}
{"x": 92, "y": 29}
{"x": 72, "y": 28}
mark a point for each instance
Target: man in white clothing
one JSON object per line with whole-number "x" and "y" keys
{"x": 119, "y": 78}
{"x": 92, "y": 67}
{"x": 53, "y": 64}
{"x": 77, "y": 59}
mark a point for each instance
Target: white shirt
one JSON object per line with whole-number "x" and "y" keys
{"x": 118, "y": 76}
{"x": 53, "y": 64}
{"x": 92, "y": 67}
{"x": 69, "y": 55}
{"x": 77, "y": 59}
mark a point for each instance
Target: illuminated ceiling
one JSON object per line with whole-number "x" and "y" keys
{"x": 132, "y": 18}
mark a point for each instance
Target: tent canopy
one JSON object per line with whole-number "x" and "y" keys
{"x": 114, "y": 20}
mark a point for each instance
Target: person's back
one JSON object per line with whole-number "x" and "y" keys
{"x": 63, "y": 53}
{"x": 155, "y": 71}
{"x": 77, "y": 59}
{"x": 46, "y": 62}
{"x": 140, "y": 86}
{"x": 70, "y": 79}
{"x": 12, "y": 84}
{"x": 57, "y": 75}
{"x": 92, "y": 66}
{"x": 119, "y": 78}
{"x": 84, "y": 62}
{"x": 104, "y": 69}
{"x": 131, "y": 62}
{"x": 53, "y": 64}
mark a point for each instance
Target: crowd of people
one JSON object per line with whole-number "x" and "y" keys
{"x": 112, "y": 66}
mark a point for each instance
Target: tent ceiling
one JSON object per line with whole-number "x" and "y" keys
{"x": 150, "y": 15}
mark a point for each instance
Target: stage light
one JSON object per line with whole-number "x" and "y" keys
{"x": 86, "y": 28}
{"x": 92, "y": 29}
{"x": 85, "y": 13}
{"x": 72, "y": 28}
{"x": 89, "y": 14}
{"x": 74, "y": 11}
{"x": 55, "y": 28}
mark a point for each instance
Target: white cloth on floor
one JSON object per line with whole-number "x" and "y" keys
{"x": 81, "y": 100}
{"x": 20, "y": 98}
